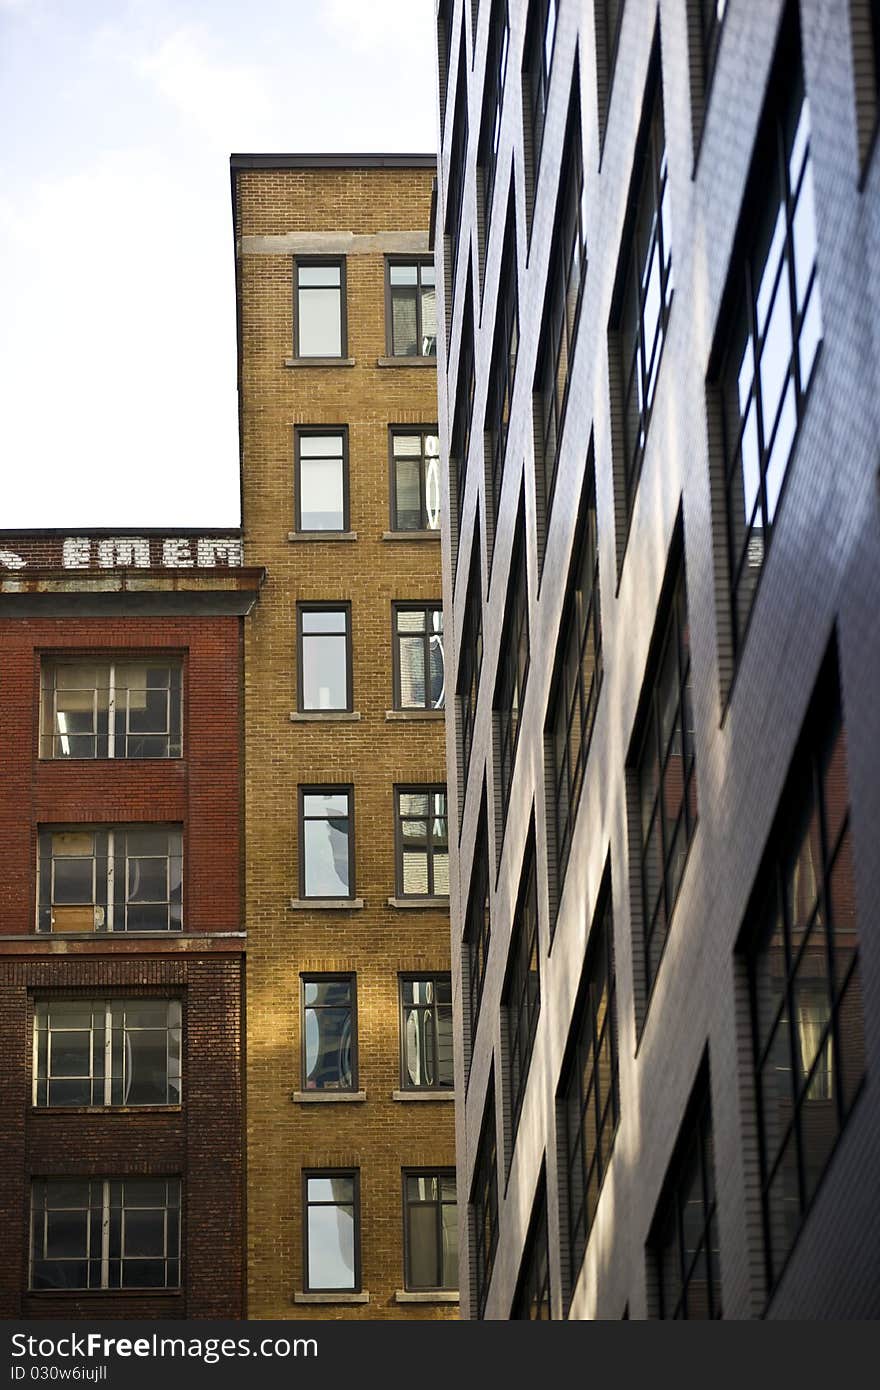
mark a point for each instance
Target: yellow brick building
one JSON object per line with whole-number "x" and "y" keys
{"x": 350, "y": 1149}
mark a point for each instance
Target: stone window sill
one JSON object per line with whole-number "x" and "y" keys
{"x": 406, "y": 361}
{"x": 106, "y": 1110}
{"x": 422, "y": 1095}
{"x": 410, "y": 535}
{"x": 319, "y": 361}
{"x": 328, "y": 1097}
{"x": 426, "y": 1296}
{"x": 326, "y": 904}
{"x": 301, "y": 536}
{"x": 404, "y": 715}
{"x": 324, "y": 716}
{"x": 339, "y": 1297}
{"x": 414, "y": 904}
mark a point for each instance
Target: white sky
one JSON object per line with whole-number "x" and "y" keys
{"x": 117, "y": 303}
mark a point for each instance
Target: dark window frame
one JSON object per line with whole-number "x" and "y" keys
{"x": 441, "y": 1175}
{"x": 431, "y": 790}
{"x": 427, "y": 607}
{"x": 317, "y": 977}
{"x": 433, "y": 977}
{"x": 514, "y": 662}
{"x": 492, "y": 108}
{"x": 607, "y": 36}
{"x": 419, "y": 263}
{"x": 313, "y": 606}
{"x": 505, "y": 357}
{"x": 425, "y": 432}
{"x": 521, "y": 991}
{"x": 535, "y": 76}
{"x": 313, "y": 432}
{"x": 307, "y": 261}
{"x": 533, "y": 1285}
{"x": 445, "y": 12}
{"x": 455, "y": 185}
{"x": 470, "y": 657}
{"x": 321, "y": 789}
{"x": 355, "y": 1175}
{"x": 484, "y": 1201}
{"x": 477, "y": 931}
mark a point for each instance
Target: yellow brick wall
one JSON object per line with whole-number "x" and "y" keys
{"x": 380, "y": 1136}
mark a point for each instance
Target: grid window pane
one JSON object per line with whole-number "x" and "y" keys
{"x": 426, "y": 1032}
{"x": 111, "y": 709}
{"x": 115, "y": 879}
{"x": 484, "y": 1201}
{"x": 419, "y": 668}
{"x": 521, "y": 995}
{"x": 93, "y": 1233}
{"x": 416, "y": 481}
{"x": 413, "y": 308}
{"x": 685, "y": 1246}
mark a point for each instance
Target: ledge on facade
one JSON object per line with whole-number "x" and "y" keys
{"x": 319, "y": 361}
{"x": 410, "y": 535}
{"x": 106, "y": 1110}
{"x": 324, "y": 716}
{"x": 298, "y": 536}
{"x": 405, "y": 715}
{"x": 338, "y": 1297}
{"x": 406, "y": 361}
{"x": 426, "y": 1296}
{"x": 309, "y": 1097}
{"x": 422, "y": 1095}
{"x": 411, "y": 904}
{"x": 326, "y": 904}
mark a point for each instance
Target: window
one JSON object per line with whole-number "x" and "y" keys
{"x": 608, "y": 16}
{"x": 106, "y": 708}
{"x": 455, "y": 182}
{"x": 537, "y": 59}
{"x": 415, "y": 479}
{"x": 332, "y": 1231}
{"x": 588, "y": 1101}
{"x": 321, "y": 479}
{"x": 477, "y": 923}
{"x": 329, "y": 1044}
{"x": 513, "y": 661}
{"x": 565, "y": 278}
{"x": 426, "y": 1032}
{"x": 498, "y": 44}
{"x": 502, "y": 370}
{"x": 642, "y": 295}
{"x": 106, "y": 1052}
{"x": 430, "y": 1230}
{"x": 462, "y": 410}
{"x": 419, "y": 668}
{"x": 326, "y": 842}
{"x": 97, "y": 1233}
{"x": 665, "y": 773}
{"x": 521, "y": 995}
{"x": 324, "y": 657}
{"x": 444, "y": 51}
{"x": 122, "y": 878}
{"x": 412, "y": 309}
{"x": 319, "y": 318}
{"x": 774, "y": 327}
{"x": 484, "y": 1201}
{"x": 684, "y": 1241}
{"x": 422, "y": 842}
{"x": 470, "y": 655}
{"x": 801, "y": 951}
{"x": 577, "y": 680}
{"x": 531, "y": 1302}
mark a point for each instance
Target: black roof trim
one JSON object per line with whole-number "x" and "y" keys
{"x": 168, "y": 532}
{"x": 332, "y": 161}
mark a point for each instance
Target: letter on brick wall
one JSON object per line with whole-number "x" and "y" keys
{"x": 76, "y": 553}
{"x": 210, "y": 551}
{"x": 177, "y": 554}
{"x": 123, "y": 551}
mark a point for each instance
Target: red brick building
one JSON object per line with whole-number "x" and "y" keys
{"x": 121, "y": 942}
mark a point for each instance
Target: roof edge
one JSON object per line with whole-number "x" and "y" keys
{"x": 332, "y": 161}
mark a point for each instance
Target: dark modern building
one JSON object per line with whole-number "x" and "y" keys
{"x": 658, "y": 252}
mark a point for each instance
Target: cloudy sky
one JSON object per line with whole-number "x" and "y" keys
{"x": 117, "y": 325}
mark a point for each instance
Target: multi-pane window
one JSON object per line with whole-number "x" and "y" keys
{"x": 106, "y": 1052}
{"x": 422, "y": 828}
{"x": 106, "y": 708}
{"x": 426, "y": 1031}
{"x": 319, "y": 314}
{"x": 537, "y": 58}
{"x": 470, "y": 655}
{"x": 463, "y": 409}
{"x": 775, "y": 330}
{"x": 321, "y": 486}
{"x": 493, "y": 99}
{"x": 122, "y": 878}
{"x": 666, "y": 776}
{"x": 412, "y": 309}
{"x": 477, "y": 924}
{"x": 643, "y": 293}
{"x": 565, "y": 278}
{"x": 803, "y": 967}
{"x": 513, "y": 662}
{"x": 521, "y": 995}
{"x": 332, "y": 1256}
{"x": 531, "y": 1302}
{"x": 684, "y": 1240}
{"x": 97, "y": 1233}
{"x": 577, "y": 678}
{"x": 588, "y": 1098}
{"x": 484, "y": 1201}
{"x": 329, "y": 1040}
{"x": 419, "y": 667}
{"x": 607, "y": 15}
{"x": 430, "y": 1230}
{"x": 324, "y": 657}
{"x": 502, "y": 369}
{"x": 415, "y": 479}
{"x": 326, "y": 842}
